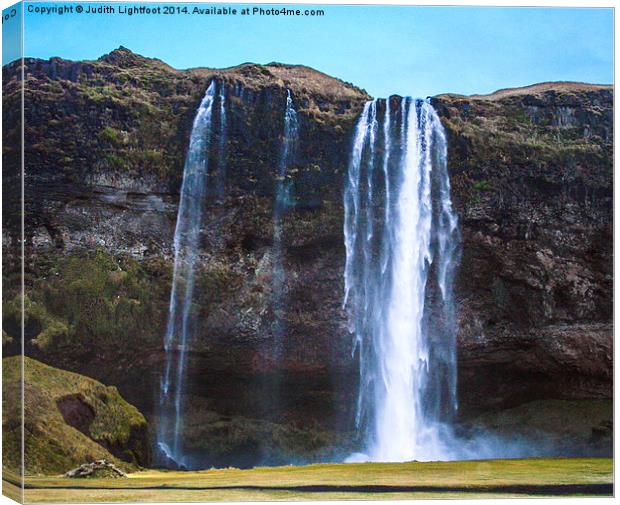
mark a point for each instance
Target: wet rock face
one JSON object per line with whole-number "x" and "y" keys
{"x": 106, "y": 143}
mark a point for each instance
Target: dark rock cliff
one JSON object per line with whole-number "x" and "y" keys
{"x": 532, "y": 175}
{"x": 531, "y": 172}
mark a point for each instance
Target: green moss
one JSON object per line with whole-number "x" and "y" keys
{"x": 153, "y": 156}
{"x": 114, "y": 160}
{"x": 33, "y": 312}
{"x": 52, "y": 445}
{"x": 112, "y": 136}
{"x": 521, "y": 116}
{"x": 55, "y": 333}
{"x": 102, "y": 301}
{"x": 6, "y": 338}
{"x": 37, "y": 320}
{"x": 97, "y": 94}
{"x": 483, "y": 185}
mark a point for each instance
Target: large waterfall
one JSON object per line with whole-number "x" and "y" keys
{"x": 401, "y": 239}
{"x": 186, "y": 248}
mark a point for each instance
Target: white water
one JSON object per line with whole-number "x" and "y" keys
{"x": 401, "y": 239}
{"x": 186, "y": 247}
{"x": 221, "y": 147}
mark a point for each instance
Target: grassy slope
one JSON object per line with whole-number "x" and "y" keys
{"x": 52, "y": 446}
{"x": 541, "y": 87}
{"x": 337, "y": 481}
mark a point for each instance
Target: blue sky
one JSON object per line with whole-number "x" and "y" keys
{"x": 416, "y": 51}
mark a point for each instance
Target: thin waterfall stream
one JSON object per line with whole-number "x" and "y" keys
{"x": 180, "y": 327}
{"x": 401, "y": 239}
{"x": 220, "y": 182}
{"x": 272, "y": 385}
{"x": 210, "y": 124}
{"x": 282, "y": 202}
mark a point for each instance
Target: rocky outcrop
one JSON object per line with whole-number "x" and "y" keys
{"x": 106, "y": 142}
{"x": 100, "y": 469}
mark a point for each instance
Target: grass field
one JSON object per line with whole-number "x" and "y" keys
{"x": 462, "y": 479}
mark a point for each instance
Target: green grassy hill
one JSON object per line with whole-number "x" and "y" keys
{"x": 69, "y": 419}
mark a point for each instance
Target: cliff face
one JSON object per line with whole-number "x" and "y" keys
{"x": 106, "y": 147}
{"x": 106, "y": 142}
{"x": 532, "y": 175}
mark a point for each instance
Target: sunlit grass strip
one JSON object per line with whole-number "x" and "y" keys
{"x": 518, "y": 477}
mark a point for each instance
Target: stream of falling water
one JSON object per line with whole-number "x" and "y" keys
{"x": 221, "y": 147}
{"x": 186, "y": 248}
{"x": 282, "y": 202}
{"x": 401, "y": 239}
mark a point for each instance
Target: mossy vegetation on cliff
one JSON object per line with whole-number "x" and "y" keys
{"x": 140, "y": 110}
{"x": 538, "y": 130}
{"x": 88, "y": 301}
{"x": 69, "y": 419}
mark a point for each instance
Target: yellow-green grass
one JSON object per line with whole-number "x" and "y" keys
{"x": 464, "y": 479}
{"x": 51, "y": 445}
{"x": 12, "y": 489}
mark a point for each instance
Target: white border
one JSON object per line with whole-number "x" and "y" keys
{"x": 484, "y": 3}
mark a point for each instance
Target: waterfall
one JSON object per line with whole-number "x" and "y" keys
{"x": 221, "y": 147}
{"x": 401, "y": 239}
{"x": 282, "y": 202}
{"x": 180, "y": 325}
